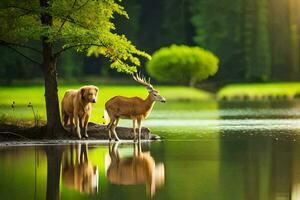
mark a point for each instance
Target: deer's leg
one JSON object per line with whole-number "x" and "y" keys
{"x": 114, "y": 129}
{"x": 139, "y": 149}
{"x": 134, "y": 129}
{"x": 110, "y": 126}
{"x": 109, "y": 149}
{"x": 135, "y": 152}
{"x": 139, "y": 122}
{"x": 117, "y": 121}
{"x": 116, "y": 152}
{"x": 109, "y": 134}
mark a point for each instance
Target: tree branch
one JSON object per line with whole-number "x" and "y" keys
{"x": 71, "y": 20}
{"x": 82, "y": 5}
{"x": 63, "y": 23}
{"x": 20, "y": 53}
{"x": 68, "y": 17}
{"x": 20, "y": 8}
{"x": 76, "y": 45}
{"x": 2, "y": 42}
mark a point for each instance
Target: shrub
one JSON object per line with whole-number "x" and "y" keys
{"x": 182, "y": 64}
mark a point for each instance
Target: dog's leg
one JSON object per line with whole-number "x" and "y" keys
{"x": 77, "y": 126}
{"x": 72, "y": 123}
{"x": 71, "y": 155}
{"x": 78, "y": 153}
{"x": 81, "y": 124}
{"x": 86, "y": 122}
{"x": 82, "y": 153}
{"x": 65, "y": 117}
{"x": 85, "y": 153}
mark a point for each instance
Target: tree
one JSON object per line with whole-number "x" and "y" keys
{"x": 58, "y": 25}
{"x": 256, "y": 40}
{"x": 284, "y": 39}
{"x": 182, "y": 64}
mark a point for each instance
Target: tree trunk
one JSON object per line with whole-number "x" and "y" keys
{"x": 54, "y": 127}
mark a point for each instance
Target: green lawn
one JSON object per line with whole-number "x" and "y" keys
{"x": 34, "y": 94}
{"x": 259, "y": 90}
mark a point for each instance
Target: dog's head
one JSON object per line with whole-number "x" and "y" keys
{"x": 89, "y": 93}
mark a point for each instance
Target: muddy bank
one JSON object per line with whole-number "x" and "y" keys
{"x": 96, "y": 131}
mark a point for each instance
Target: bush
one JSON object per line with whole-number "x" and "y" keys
{"x": 182, "y": 64}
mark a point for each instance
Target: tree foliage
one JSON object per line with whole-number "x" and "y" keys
{"x": 256, "y": 40}
{"x": 59, "y": 25}
{"x": 84, "y": 25}
{"x": 179, "y": 63}
{"x": 251, "y": 37}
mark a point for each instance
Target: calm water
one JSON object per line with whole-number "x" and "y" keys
{"x": 209, "y": 151}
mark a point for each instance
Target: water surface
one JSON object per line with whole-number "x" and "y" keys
{"x": 209, "y": 151}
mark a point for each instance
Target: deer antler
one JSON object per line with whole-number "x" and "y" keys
{"x": 140, "y": 79}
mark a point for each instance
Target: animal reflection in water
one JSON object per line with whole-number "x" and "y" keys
{"x": 80, "y": 175}
{"x": 138, "y": 169}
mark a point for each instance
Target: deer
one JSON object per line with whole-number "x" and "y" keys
{"x": 140, "y": 168}
{"x": 134, "y": 108}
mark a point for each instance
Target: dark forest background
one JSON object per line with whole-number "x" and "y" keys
{"x": 256, "y": 40}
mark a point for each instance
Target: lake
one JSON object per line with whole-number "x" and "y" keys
{"x": 209, "y": 150}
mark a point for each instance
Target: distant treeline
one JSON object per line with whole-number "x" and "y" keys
{"x": 256, "y": 40}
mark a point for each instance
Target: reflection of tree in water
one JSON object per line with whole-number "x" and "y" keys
{"x": 78, "y": 174}
{"x": 54, "y": 156}
{"x": 137, "y": 169}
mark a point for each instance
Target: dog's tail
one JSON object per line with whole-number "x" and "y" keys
{"x": 106, "y": 117}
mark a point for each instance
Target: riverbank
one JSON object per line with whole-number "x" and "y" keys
{"x": 260, "y": 91}
{"x": 11, "y": 132}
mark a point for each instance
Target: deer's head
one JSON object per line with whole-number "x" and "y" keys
{"x": 153, "y": 94}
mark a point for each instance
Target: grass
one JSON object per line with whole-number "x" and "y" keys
{"x": 35, "y": 94}
{"x": 254, "y": 90}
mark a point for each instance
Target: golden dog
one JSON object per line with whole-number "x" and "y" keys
{"x": 77, "y": 105}
{"x": 81, "y": 175}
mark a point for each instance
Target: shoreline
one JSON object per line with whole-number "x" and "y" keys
{"x": 97, "y": 133}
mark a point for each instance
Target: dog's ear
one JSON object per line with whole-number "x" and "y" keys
{"x": 82, "y": 90}
{"x": 97, "y": 89}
